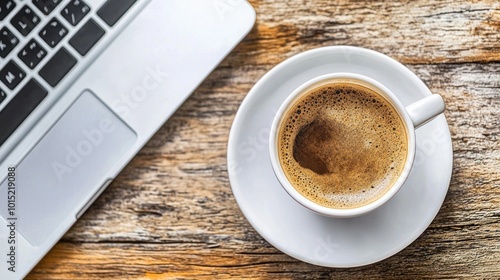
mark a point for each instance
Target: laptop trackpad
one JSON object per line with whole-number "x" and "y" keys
{"x": 67, "y": 167}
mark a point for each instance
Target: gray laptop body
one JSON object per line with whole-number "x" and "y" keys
{"x": 91, "y": 122}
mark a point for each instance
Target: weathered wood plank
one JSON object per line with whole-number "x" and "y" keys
{"x": 237, "y": 261}
{"x": 410, "y": 31}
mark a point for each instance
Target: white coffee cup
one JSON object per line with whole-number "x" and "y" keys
{"x": 413, "y": 116}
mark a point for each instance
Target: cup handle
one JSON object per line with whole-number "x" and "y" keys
{"x": 424, "y": 110}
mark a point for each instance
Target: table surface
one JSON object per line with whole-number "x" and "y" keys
{"x": 171, "y": 212}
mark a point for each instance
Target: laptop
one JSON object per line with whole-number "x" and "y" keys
{"x": 84, "y": 84}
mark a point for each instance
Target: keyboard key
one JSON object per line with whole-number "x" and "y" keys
{"x": 32, "y": 54}
{"x": 113, "y": 10}
{"x": 75, "y": 11}
{"x": 57, "y": 67}
{"x": 46, "y": 6}
{"x": 86, "y": 37}
{"x": 3, "y": 95}
{"x": 6, "y": 7}
{"x": 18, "y": 109}
{"x": 53, "y": 32}
{"x": 25, "y": 20}
{"x": 7, "y": 42}
{"x": 11, "y": 75}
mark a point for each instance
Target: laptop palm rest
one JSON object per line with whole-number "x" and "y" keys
{"x": 67, "y": 166}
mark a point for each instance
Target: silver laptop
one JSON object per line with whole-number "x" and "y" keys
{"x": 83, "y": 85}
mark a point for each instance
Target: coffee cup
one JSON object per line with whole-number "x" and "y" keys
{"x": 342, "y": 144}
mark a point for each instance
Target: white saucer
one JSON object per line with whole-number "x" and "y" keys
{"x": 303, "y": 234}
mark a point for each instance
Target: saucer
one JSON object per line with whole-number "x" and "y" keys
{"x": 302, "y": 234}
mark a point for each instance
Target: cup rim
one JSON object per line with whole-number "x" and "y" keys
{"x": 385, "y": 93}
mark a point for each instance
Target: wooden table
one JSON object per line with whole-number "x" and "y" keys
{"x": 171, "y": 212}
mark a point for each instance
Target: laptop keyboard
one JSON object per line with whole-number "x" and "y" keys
{"x": 40, "y": 56}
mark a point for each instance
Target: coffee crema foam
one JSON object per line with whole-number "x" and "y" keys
{"x": 342, "y": 145}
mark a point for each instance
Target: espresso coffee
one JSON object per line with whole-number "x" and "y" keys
{"x": 342, "y": 145}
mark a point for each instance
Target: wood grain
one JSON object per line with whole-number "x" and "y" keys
{"x": 413, "y": 32}
{"x": 171, "y": 213}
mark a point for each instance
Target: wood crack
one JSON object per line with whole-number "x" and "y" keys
{"x": 457, "y": 12}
